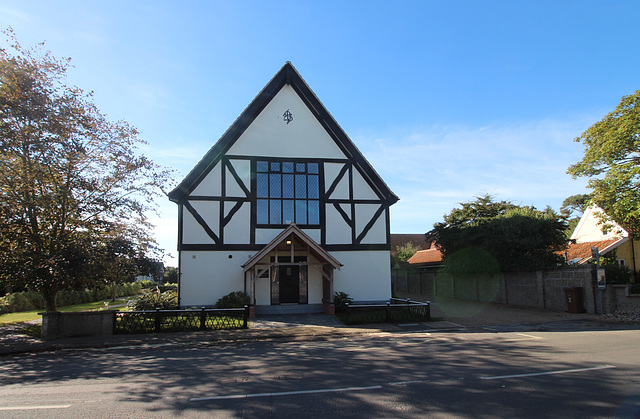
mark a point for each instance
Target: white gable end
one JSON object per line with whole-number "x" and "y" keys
{"x": 210, "y": 185}
{"x": 271, "y": 136}
{"x": 192, "y": 231}
{"x": 361, "y": 189}
{"x": 284, "y": 160}
{"x": 590, "y": 228}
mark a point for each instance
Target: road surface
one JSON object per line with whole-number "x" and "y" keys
{"x": 587, "y": 374}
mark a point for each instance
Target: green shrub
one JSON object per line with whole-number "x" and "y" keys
{"x": 147, "y": 283}
{"x": 29, "y": 300}
{"x": 617, "y": 274}
{"x": 150, "y": 301}
{"x": 340, "y": 300}
{"x": 168, "y": 287}
{"x": 21, "y": 301}
{"x": 236, "y": 299}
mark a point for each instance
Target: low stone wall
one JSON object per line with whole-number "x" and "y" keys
{"x": 57, "y": 325}
{"x": 542, "y": 289}
{"x": 618, "y": 298}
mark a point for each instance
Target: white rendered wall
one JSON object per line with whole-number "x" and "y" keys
{"x": 210, "y": 185}
{"x": 365, "y": 276}
{"x": 338, "y": 231}
{"x": 270, "y": 136}
{"x": 192, "y": 231}
{"x": 263, "y": 291}
{"x": 238, "y": 231}
{"x": 314, "y": 286}
{"x": 589, "y": 229}
{"x": 331, "y": 172}
{"x": 361, "y": 189}
{"x": 207, "y": 276}
{"x": 378, "y": 232}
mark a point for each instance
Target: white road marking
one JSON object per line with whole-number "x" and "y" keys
{"x": 62, "y": 406}
{"x": 529, "y": 336}
{"x": 526, "y": 337}
{"x": 283, "y": 393}
{"x": 498, "y": 377}
{"x": 404, "y": 383}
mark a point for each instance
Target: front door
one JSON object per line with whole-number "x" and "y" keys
{"x": 289, "y": 284}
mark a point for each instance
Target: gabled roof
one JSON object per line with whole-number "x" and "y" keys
{"x": 581, "y": 252}
{"x": 286, "y": 76}
{"x": 589, "y": 227}
{"x": 294, "y": 232}
{"x": 432, "y": 256}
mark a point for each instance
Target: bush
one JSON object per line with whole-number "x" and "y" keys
{"x": 29, "y": 300}
{"x": 617, "y": 274}
{"x": 150, "y": 301}
{"x": 340, "y": 300}
{"x": 237, "y": 299}
{"x": 21, "y": 301}
{"x": 146, "y": 284}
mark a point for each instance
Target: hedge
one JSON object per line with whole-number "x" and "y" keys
{"x": 30, "y": 300}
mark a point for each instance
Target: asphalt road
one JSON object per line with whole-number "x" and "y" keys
{"x": 586, "y": 374}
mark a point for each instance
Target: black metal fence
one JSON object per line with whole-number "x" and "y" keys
{"x": 394, "y": 311}
{"x": 157, "y": 321}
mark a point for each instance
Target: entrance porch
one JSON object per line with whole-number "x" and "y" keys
{"x": 291, "y": 274}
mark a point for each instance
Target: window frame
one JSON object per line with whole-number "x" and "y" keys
{"x": 288, "y": 205}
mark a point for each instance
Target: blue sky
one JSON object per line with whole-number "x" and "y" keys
{"x": 447, "y": 99}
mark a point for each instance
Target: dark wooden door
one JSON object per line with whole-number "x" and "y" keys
{"x": 289, "y": 284}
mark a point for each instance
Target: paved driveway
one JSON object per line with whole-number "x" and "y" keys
{"x": 472, "y": 314}
{"x": 294, "y": 320}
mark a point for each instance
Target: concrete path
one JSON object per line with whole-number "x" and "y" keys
{"x": 281, "y": 320}
{"x": 472, "y": 314}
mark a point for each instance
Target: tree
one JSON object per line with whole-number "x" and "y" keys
{"x": 571, "y": 205}
{"x": 403, "y": 253}
{"x": 612, "y": 162}
{"x": 485, "y": 236}
{"x": 574, "y": 203}
{"x": 170, "y": 275}
{"x": 70, "y": 180}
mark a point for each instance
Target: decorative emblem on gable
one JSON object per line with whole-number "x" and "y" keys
{"x": 287, "y": 116}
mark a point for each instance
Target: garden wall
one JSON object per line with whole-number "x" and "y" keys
{"x": 58, "y": 325}
{"x": 542, "y": 289}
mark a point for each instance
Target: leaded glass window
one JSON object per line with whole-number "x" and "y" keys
{"x": 287, "y": 192}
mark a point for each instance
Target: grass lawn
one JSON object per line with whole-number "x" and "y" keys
{"x": 26, "y": 316}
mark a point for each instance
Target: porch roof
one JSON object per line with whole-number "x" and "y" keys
{"x": 301, "y": 236}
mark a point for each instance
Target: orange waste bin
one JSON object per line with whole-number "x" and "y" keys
{"x": 573, "y": 295}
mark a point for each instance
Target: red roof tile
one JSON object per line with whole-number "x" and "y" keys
{"x": 432, "y": 255}
{"x": 581, "y": 252}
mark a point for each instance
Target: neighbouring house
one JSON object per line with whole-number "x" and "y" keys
{"x": 283, "y": 207}
{"x": 427, "y": 259}
{"x": 589, "y": 234}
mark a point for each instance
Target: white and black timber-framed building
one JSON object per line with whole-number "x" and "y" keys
{"x": 284, "y": 207}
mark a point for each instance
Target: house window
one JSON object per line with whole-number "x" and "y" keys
{"x": 621, "y": 262}
{"x": 287, "y": 192}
